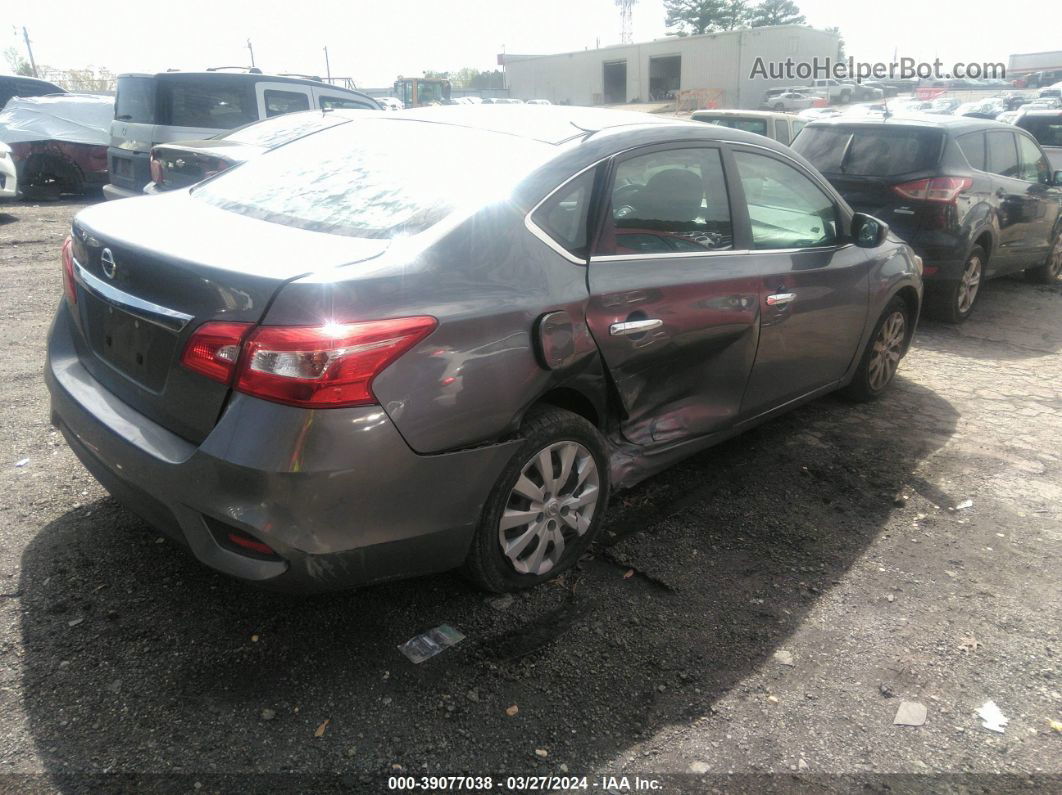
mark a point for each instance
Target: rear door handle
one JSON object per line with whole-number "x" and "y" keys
{"x": 634, "y": 327}
{"x": 780, "y": 299}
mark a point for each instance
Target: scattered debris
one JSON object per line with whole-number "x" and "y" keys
{"x": 700, "y": 768}
{"x": 962, "y": 506}
{"x": 802, "y": 765}
{"x": 268, "y": 714}
{"x": 321, "y": 729}
{"x": 22, "y": 462}
{"x": 511, "y": 711}
{"x": 1056, "y": 725}
{"x": 254, "y": 638}
{"x": 886, "y": 690}
{"x": 890, "y": 598}
{"x": 428, "y": 644}
{"x": 74, "y": 622}
{"x": 773, "y": 699}
{"x": 910, "y": 713}
{"x": 783, "y": 657}
{"x": 969, "y": 643}
{"x": 900, "y": 499}
{"x": 541, "y": 753}
{"x": 501, "y": 603}
{"x": 628, "y": 574}
{"x": 991, "y": 717}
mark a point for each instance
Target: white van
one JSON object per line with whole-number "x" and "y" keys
{"x": 151, "y": 109}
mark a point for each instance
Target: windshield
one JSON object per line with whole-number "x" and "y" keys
{"x": 1045, "y": 129}
{"x": 281, "y": 129}
{"x": 376, "y": 178}
{"x": 871, "y": 152}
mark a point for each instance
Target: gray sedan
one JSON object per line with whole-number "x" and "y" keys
{"x": 415, "y": 342}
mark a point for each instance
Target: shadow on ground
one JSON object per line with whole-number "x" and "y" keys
{"x": 140, "y": 661}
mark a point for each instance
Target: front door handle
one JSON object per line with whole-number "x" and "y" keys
{"x": 780, "y": 299}
{"x": 634, "y": 327}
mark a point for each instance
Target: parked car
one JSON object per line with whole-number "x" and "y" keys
{"x": 976, "y": 199}
{"x": 981, "y": 109}
{"x": 833, "y": 91}
{"x": 8, "y": 174}
{"x": 181, "y": 106}
{"x": 58, "y": 142}
{"x": 782, "y": 127}
{"x": 539, "y": 102}
{"x": 887, "y": 89}
{"x": 818, "y": 113}
{"x": 794, "y": 101}
{"x": 22, "y": 86}
{"x": 390, "y": 103}
{"x": 185, "y": 163}
{"x": 1046, "y": 127}
{"x": 1043, "y": 103}
{"x": 943, "y": 106}
{"x": 331, "y": 365}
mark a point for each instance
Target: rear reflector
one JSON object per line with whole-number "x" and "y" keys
{"x": 251, "y": 544}
{"x": 69, "y": 288}
{"x": 214, "y": 348}
{"x": 325, "y": 366}
{"x": 937, "y": 189}
{"x": 156, "y": 169}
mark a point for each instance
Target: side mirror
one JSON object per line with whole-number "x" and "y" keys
{"x": 1058, "y": 177}
{"x": 868, "y": 231}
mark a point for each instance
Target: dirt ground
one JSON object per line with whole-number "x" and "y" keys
{"x": 763, "y": 608}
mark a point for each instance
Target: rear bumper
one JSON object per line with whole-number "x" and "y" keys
{"x": 337, "y": 493}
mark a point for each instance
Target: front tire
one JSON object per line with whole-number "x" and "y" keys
{"x": 1051, "y": 271}
{"x": 955, "y": 303}
{"x": 877, "y": 368}
{"x": 546, "y": 506}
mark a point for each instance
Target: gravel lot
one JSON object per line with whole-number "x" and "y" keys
{"x": 827, "y": 539}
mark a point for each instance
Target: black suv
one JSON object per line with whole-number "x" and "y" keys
{"x": 975, "y": 198}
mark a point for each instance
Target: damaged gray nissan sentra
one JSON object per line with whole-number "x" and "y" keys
{"x": 438, "y": 339}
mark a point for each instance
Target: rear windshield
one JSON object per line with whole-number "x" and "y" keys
{"x": 869, "y": 152}
{"x": 376, "y": 177}
{"x": 1045, "y": 129}
{"x": 758, "y": 126}
{"x": 135, "y": 100}
{"x": 216, "y": 102}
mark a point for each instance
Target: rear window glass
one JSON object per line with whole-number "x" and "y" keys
{"x": 973, "y": 146}
{"x": 209, "y": 102}
{"x": 135, "y": 100}
{"x": 870, "y": 152}
{"x": 758, "y": 126}
{"x": 370, "y": 178}
{"x": 280, "y": 130}
{"x": 1003, "y": 154}
{"x": 1047, "y": 130}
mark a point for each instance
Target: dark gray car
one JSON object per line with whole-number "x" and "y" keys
{"x": 419, "y": 341}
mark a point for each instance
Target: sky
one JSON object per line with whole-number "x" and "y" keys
{"x": 374, "y": 42}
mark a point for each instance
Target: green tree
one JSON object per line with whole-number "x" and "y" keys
{"x": 18, "y": 64}
{"x": 694, "y": 16}
{"x": 776, "y": 12}
{"x": 734, "y": 14}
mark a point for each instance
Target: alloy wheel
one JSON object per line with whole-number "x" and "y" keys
{"x": 887, "y": 350}
{"x": 969, "y": 284}
{"x": 552, "y": 503}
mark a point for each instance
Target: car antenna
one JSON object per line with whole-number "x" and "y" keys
{"x": 885, "y": 103}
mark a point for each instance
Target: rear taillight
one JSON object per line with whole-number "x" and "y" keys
{"x": 325, "y": 366}
{"x": 214, "y": 348}
{"x": 69, "y": 288}
{"x": 936, "y": 189}
{"x": 156, "y": 169}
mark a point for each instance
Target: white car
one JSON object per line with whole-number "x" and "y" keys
{"x": 539, "y": 102}
{"x": 391, "y": 103}
{"x": 792, "y": 101}
{"x": 8, "y": 175}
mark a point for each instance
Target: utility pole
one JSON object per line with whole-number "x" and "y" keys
{"x": 328, "y": 67}
{"x": 29, "y": 49}
{"x": 251, "y": 50}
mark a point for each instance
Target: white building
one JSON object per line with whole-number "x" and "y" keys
{"x": 716, "y": 65}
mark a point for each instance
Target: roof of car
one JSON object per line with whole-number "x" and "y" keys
{"x": 1041, "y": 112}
{"x": 756, "y": 114}
{"x": 553, "y": 124}
{"x": 241, "y": 75}
{"x": 951, "y": 123}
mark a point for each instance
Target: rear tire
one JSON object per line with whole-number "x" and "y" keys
{"x": 955, "y": 303}
{"x": 888, "y": 343}
{"x": 1051, "y": 271}
{"x": 534, "y": 527}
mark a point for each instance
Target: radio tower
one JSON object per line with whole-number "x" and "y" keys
{"x": 626, "y": 23}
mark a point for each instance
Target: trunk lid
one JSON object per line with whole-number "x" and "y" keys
{"x": 150, "y": 270}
